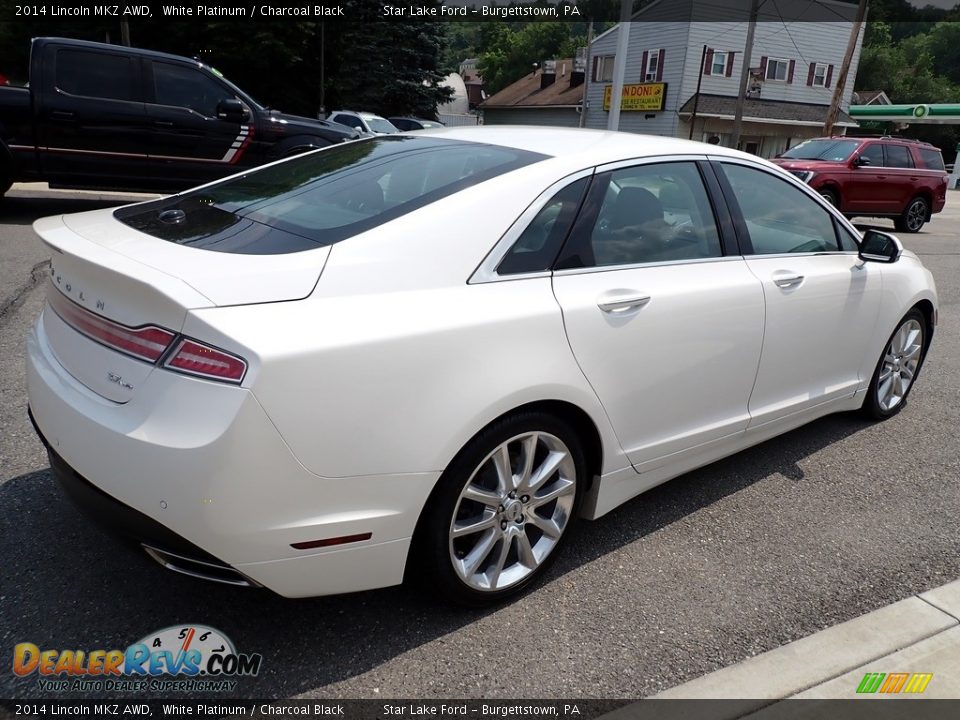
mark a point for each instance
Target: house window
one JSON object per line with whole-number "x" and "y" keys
{"x": 653, "y": 64}
{"x": 719, "y": 64}
{"x": 604, "y": 69}
{"x": 819, "y": 75}
{"x": 777, "y": 69}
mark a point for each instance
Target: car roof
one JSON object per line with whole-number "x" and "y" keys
{"x": 601, "y": 146}
{"x": 881, "y": 138}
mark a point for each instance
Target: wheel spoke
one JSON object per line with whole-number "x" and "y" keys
{"x": 546, "y": 470}
{"x": 461, "y": 529}
{"x": 482, "y": 495}
{"x": 529, "y": 454}
{"x": 501, "y": 461}
{"x": 906, "y": 373}
{"x": 525, "y": 551}
{"x": 557, "y": 490}
{"x": 911, "y": 352}
{"x": 885, "y": 392}
{"x": 547, "y": 526}
{"x": 479, "y": 553}
{"x": 493, "y": 575}
{"x": 887, "y": 372}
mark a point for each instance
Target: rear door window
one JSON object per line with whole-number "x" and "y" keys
{"x": 97, "y": 75}
{"x": 898, "y": 156}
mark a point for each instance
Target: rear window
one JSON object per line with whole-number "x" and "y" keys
{"x": 898, "y": 156}
{"x": 323, "y": 197}
{"x": 931, "y": 158}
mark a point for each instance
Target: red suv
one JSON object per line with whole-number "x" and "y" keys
{"x": 876, "y": 177}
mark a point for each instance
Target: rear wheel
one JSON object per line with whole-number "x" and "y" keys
{"x": 898, "y": 368}
{"x": 914, "y": 216}
{"x": 830, "y": 196}
{"x": 6, "y": 181}
{"x": 502, "y": 510}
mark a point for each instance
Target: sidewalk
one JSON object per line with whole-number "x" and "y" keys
{"x": 918, "y": 635}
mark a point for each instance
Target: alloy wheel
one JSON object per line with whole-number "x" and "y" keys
{"x": 916, "y": 215}
{"x": 512, "y": 511}
{"x": 900, "y": 363}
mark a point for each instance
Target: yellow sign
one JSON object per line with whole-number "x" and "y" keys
{"x": 642, "y": 97}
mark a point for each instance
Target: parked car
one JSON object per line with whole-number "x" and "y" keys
{"x": 117, "y": 118}
{"x": 413, "y": 123}
{"x": 874, "y": 177}
{"x": 426, "y": 356}
{"x": 365, "y": 122}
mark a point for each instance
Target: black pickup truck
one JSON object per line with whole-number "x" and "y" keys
{"x": 107, "y": 117}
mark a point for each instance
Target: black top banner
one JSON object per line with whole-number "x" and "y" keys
{"x": 474, "y": 11}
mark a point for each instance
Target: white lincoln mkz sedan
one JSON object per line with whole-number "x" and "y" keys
{"x": 427, "y": 355}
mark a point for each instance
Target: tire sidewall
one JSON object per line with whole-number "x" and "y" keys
{"x": 903, "y": 226}
{"x": 431, "y": 541}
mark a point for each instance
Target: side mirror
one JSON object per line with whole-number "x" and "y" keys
{"x": 878, "y": 246}
{"x": 231, "y": 110}
{"x": 861, "y": 161}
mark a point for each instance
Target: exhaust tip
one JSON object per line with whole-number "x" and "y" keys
{"x": 202, "y": 569}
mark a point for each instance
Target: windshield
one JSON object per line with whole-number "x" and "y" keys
{"x": 381, "y": 126}
{"x": 323, "y": 197}
{"x": 832, "y": 150}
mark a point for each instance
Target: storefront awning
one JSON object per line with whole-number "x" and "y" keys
{"x": 763, "y": 111}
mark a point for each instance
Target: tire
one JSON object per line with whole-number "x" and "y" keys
{"x": 481, "y": 541}
{"x": 903, "y": 354}
{"x": 914, "y": 216}
{"x": 830, "y": 196}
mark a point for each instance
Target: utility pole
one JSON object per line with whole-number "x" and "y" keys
{"x": 844, "y": 69}
{"x": 744, "y": 75}
{"x": 125, "y": 32}
{"x": 620, "y": 64}
{"x": 587, "y": 69}
{"x": 696, "y": 97}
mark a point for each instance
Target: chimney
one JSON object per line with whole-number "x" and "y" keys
{"x": 579, "y": 69}
{"x": 549, "y": 75}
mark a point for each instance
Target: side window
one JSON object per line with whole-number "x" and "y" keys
{"x": 538, "y": 245}
{"x": 932, "y": 158}
{"x": 187, "y": 87}
{"x": 349, "y": 120}
{"x": 898, "y": 156}
{"x": 779, "y": 217}
{"x": 874, "y": 153}
{"x": 648, "y": 213}
{"x": 97, "y": 75}
{"x": 848, "y": 243}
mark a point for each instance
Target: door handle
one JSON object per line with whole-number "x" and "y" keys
{"x": 61, "y": 115}
{"x": 786, "y": 281}
{"x": 163, "y": 123}
{"x": 619, "y": 304}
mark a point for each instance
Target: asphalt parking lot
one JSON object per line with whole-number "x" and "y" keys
{"x": 816, "y": 527}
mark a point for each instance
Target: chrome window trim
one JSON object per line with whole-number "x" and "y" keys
{"x": 653, "y": 160}
{"x": 486, "y": 272}
{"x": 640, "y": 266}
{"x": 779, "y": 172}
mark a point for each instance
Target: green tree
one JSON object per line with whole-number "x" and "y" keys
{"x": 514, "y": 48}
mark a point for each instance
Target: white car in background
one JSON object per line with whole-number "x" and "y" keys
{"x": 364, "y": 122}
{"x": 427, "y": 355}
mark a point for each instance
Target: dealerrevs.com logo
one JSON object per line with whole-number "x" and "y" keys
{"x": 185, "y": 658}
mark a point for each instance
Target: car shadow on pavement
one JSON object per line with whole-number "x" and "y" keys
{"x": 66, "y": 584}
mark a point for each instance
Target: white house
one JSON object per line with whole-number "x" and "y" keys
{"x": 797, "y": 54}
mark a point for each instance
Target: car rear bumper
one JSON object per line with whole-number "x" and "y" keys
{"x": 196, "y": 469}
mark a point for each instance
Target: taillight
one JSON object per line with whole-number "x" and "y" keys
{"x": 147, "y": 342}
{"x": 150, "y": 343}
{"x": 195, "y": 358}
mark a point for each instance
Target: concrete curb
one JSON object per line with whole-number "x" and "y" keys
{"x": 833, "y": 654}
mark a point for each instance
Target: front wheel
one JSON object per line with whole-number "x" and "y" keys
{"x": 503, "y": 509}
{"x": 830, "y": 196}
{"x": 897, "y": 369}
{"x": 913, "y": 217}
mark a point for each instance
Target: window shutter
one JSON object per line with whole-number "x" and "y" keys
{"x": 643, "y": 66}
{"x": 793, "y": 64}
{"x": 829, "y": 75}
{"x": 730, "y": 57}
{"x": 660, "y": 65}
{"x": 813, "y": 68}
{"x": 763, "y": 67}
{"x": 596, "y": 69}
{"x": 708, "y": 62}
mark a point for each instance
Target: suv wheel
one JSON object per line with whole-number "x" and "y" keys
{"x": 830, "y": 196}
{"x": 914, "y": 216}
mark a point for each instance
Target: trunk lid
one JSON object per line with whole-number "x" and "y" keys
{"x": 101, "y": 267}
